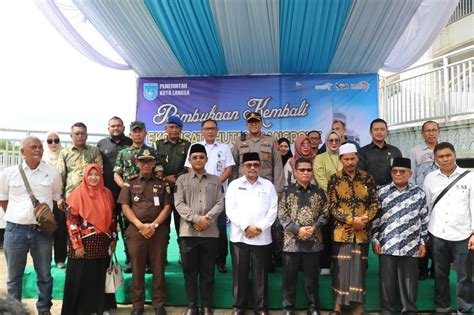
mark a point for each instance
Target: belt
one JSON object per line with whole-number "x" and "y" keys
{"x": 24, "y": 226}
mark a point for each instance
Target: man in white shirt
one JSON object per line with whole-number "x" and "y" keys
{"x": 220, "y": 162}
{"x": 22, "y": 234}
{"x": 452, "y": 228}
{"x": 251, "y": 205}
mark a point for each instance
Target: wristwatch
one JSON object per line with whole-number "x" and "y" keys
{"x": 156, "y": 225}
{"x": 126, "y": 184}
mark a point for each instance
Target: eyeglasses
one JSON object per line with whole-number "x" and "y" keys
{"x": 51, "y": 141}
{"x": 209, "y": 129}
{"x": 334, "y": 140}
{"x": 79, "y": 134}
{"x": 198, "y": 157}
{"x": 401, "y": 172}
{"x": 305, "y": 170}
{"x": 254, "y": 165}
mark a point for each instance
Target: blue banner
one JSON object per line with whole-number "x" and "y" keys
{"x": 290, "y": 105}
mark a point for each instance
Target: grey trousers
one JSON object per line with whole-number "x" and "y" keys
{"x": 401, "y": 272}
{"x": 443, "y": 253}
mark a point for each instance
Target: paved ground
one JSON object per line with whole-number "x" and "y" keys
{"x": 122, "y": 309}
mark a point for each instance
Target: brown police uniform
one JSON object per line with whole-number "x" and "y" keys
{"x": 270, "y": 158}
{"x": 140, "y": 197}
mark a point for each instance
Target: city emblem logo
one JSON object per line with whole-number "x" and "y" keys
{"x": 150, "y": 91}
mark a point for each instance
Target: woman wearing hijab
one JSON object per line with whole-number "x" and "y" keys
{"x": 324, "y": 166}
{"x": 284, "y": 147}
{"x": 302, "y": 149}
{"x": 92, "y": 232}
{"x": 52, "y": 147}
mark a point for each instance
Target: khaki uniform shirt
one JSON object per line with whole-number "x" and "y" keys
{"x": 140, "y": 197}
{"x": 72, "y": 162}
{"x": 270, "y": 158}
{"x": 195, "y": 197}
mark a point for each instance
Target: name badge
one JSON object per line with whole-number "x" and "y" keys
{"x": 156, "y": 201}
{"x": 242, "y": 188}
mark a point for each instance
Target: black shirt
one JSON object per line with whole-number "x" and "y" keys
{"x": 109, "y": 150}
{"x": 378, "y": 161}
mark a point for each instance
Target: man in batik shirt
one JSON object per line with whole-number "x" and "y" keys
{"x": 302, "y": 214}
{"x": 353, "y": 203}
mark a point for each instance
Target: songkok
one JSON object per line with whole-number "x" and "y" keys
{"x": 401, "y": 162}
{"x": 250, "y": 156}
{"x": 347, "y": 148}
{"x": 175, "y": 120}
{"x": 145, "y": 155}
{"x": 254, "y": 116}
{"x": 137, "y": 124}
{"x": 197, "y": 148}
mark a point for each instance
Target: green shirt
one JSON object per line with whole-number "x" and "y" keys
{"x": 172, "y": 155}
{"x": 125, "y": 163}
{"x": 72, "y": 162}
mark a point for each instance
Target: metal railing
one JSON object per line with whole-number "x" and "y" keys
{"x": 435, "y": 90}
{"x": 11, "y": 138}
{"x": 464, "y": 8}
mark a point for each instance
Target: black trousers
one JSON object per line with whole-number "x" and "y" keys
{"x": 223, "y": 244}
{"x": 402, "y": 272}
{"x": 60, "y": 235}
{"x": 198, "y": 256}
{"x": 326, "y": 254}
{"x": 291, "y": 263}
{"x": 245, "y": 256}
{"x": 443, "y": 253}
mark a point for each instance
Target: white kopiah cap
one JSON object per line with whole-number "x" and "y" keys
{"x": 347, "y": 148}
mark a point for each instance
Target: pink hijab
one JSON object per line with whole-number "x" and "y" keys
{"x": 298, "y": 152}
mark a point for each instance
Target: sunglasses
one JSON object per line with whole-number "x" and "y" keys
{"x": 307, "y": 170}
{"x": 254, "y": 165}
{"x": 51, "y": 141}
{"x": 333, "y": 140}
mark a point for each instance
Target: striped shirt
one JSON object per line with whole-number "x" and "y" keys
{"x": 401, "y": 225}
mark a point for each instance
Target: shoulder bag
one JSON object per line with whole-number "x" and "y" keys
{"x": 445, "y": 190}
{"x": 44, "y": 216}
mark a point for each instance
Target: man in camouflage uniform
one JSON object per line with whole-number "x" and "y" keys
{"x": 172, "y": 153}
{"x": 271, "y": 167}
{"x": 127, "y": 169}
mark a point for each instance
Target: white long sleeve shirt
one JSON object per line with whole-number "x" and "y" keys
{"x": 251, "y": 204}
{"x": 452, "y": 218}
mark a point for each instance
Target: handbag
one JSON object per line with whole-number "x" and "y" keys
{"x": 44, "y": 216}
{"x": 113, "y": 276}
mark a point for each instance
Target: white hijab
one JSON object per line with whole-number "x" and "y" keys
{"x": 49, "y": 156}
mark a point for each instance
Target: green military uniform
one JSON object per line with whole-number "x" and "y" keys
{"x": 172, "y": 156}
{"x": 270, "y": 158}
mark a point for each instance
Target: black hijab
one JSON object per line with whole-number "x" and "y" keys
{"x": 285, "y": 157}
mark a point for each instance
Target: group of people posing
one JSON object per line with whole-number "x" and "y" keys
{"x": 315, "y": 211}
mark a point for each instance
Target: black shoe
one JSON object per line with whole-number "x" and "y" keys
{"x": 148, "y": 269}
{"x": 160, "y": 310}
{"x": 312, "y": 311}
{"x": 192, "y": 311}
{"x": 137, "y": 311}
{"x": 262, "y": 312}
{"x": 237, "y": 311}
{"x": 289, "y": 312}
{"x": 44, "y": 313}
{"x": 207, "y": 311}
{"x": 423, "y": 275}
{"x": 222, "y": 268}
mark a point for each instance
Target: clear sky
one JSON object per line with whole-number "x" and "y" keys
{"x": 46, "y": 84}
